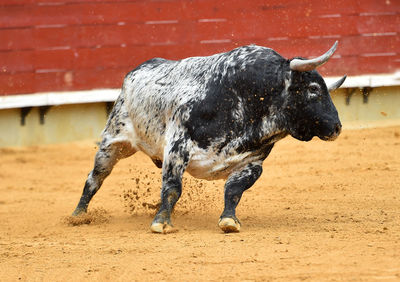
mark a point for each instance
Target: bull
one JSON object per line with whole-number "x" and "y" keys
{"x": 216, "y": 117}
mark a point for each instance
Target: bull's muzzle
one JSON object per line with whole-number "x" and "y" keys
{"x": 334, "y": 133}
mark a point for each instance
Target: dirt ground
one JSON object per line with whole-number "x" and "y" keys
{"x": 321, "y": 211}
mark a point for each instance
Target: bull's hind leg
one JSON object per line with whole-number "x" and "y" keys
{"x": 107, "y": 156}
{"x": 174, "y": 165}
{"x": 113, "y": 147}
{"x": 236, "y": 184}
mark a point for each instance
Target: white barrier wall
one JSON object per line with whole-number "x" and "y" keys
{"x": 72, "y": 122}
{"x": 61, "y": 124}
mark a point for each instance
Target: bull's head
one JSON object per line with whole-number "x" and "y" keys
{"x": 309, "y": 108}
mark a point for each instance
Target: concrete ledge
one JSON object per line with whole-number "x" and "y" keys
{"x": 110, "y": 95}
{"x": 58, "y": 98}
{"x": 361, "y": 81}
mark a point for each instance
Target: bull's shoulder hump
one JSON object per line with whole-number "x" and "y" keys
{"x": 250, "y": 52}
{"x": 151, "y": 64}
{"x": 156, "y": 62}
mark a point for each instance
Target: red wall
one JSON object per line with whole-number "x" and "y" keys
{"x": 85, "y": 44}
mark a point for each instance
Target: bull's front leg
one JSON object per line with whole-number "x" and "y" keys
{"x": 174, "y": 165}
{"x": 237, "y": 183}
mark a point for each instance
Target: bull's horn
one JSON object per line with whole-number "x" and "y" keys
{"x": 337, "y": 84}
{"x": 308, "y": 65}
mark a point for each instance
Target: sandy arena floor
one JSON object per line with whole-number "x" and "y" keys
{"x": 321, "y": 211}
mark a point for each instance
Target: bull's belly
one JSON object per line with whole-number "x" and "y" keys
{"x": 212, "y": 167}
{"x": 203, "y": 164}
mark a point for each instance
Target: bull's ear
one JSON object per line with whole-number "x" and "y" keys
{"x": 337, "y": 84}
{"x": 308, "y": 65}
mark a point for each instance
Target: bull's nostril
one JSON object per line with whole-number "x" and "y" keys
{"x": 338, "y": 128}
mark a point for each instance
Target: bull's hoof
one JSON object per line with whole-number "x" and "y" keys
{"x": 229, "y": 225}
{"x": 79, "y": 211}
{"x": 157, "y": 227}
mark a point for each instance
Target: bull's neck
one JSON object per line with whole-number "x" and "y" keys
{"x": 272, "y": 128}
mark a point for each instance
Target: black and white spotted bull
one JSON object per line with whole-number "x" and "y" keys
{"x": 216, "y": 117}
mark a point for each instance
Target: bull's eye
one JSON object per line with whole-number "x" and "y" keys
{"x": 314, "y": 90}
